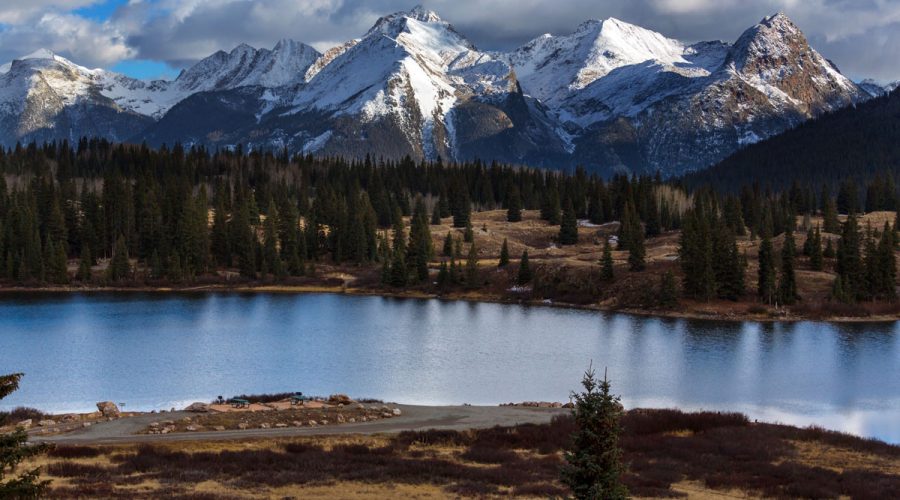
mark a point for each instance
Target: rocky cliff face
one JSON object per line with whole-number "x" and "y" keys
{"x": 611, "y": 96}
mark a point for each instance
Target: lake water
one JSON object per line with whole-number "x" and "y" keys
{"x": 152, "y": 351}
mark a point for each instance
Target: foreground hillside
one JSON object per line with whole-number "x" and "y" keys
{"x": 669, "y": 454}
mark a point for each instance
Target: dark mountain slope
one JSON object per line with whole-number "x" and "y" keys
{"x": 858, "y": 141}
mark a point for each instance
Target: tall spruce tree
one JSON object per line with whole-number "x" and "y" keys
{"x": 787, "y": 280}
{"x": 886, "y": 287}
{"x": 84, "y": 264}
{"x": 849, "y": 264}
{"x": 607, "y": 269}
{"x": 119, "y": 268}
{"x": 727, "y": 263}
{"x": 514, "y": 205}
{"x": 504, "y": 254}
{"x": 815, "y": 252}
{"x": 420, "y": 249}
{"x": 524, "y": 276}
{"x": 447, "y": 251}
{"x": 593, "y": 468}
{"x": 830, "y": 217}
{"x": 568, "y": 229}
{"x": 472, "y": 275}
{"x": 696, "y": 252}
{"x": 766, "y": 286}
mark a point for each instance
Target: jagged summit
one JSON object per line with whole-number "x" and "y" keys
{"x": 393, "y": 22}
{"x": 420, "y": 13}
{"x": 552, "y": 67}
{"x": 285, "y": 64}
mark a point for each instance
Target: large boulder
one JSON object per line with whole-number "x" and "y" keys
{"x": 336, "y": 399}
{"x": 198, "y": 408}
{"x": 108, "y": 409}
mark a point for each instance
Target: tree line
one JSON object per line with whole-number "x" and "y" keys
{"x": 185, "y": 213}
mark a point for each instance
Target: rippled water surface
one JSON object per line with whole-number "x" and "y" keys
{"x": 157, "y": 351}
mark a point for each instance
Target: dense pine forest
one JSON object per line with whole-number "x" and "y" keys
{"x": 103, "y": 214}
{"x": 858, "y": 142}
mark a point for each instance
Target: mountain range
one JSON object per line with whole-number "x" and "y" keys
{"x": 610, "y": 96}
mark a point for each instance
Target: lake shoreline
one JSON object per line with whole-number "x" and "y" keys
{"x": 474, "y": 297}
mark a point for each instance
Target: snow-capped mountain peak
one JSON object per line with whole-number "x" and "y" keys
{"x": 608, "y": 95}
{"x": 774, "y": 57}
{"x": 552, "y": 67}
{"x": 286, "y": 64}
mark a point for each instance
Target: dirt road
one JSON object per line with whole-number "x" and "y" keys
{"x": 413, "y": 418}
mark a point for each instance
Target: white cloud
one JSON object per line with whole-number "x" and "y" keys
{"x": 85, "y": 42}
{"x": 859, "y": 35}
{"x": 20, "y": 11}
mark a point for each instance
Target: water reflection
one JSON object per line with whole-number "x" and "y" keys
{"x": 157, "y": 351}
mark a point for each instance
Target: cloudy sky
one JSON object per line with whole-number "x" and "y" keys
{"x": 153, "y": 38}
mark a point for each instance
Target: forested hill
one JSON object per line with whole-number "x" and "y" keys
{"x": 857, "y": 142}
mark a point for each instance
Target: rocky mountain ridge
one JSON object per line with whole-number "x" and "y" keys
{"x": 611, "y": 96}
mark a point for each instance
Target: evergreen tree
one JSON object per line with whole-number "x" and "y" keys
{"x": 472, "y": 278}
{"x": 654, "y": 222}
{"x": 787, "y": 282}
{"x": 399, "y": 275}
{"x": 447, "y": 251}
{"x": 524, "y": 276}
{"x": 156, "y": 267}
{"x": 696, "y": 252}
{"x": 175, "y": 271}
{"x": 398, "y": 232}
{"x": 607, "y": 272}
{"x": 504, "y": 254}
{"x": 568, "y": 229}
{"x": 593, "y": 468}
{"x": 514, "y": 208}
{"x": 443, "y": 204}
{"x": 462, "y": 210}
{"x": 13, "y": 450}
{"x": 420, "y": 249}
{"x": 84, "y": 264}
{"x": 443, "y": 277}
{"x": 270, "y": 238}
{"x": 56, "y": 263}
{"x": 766, "y": 287}
{"x": 829, "y": 252}
{"x": 631, "y": 237}
{"x": 886, "y": 287}
{"x": 219, "y": 239}
{"x": 837, "y": 290}
{"x": 849, "y": 263}
{"x": 727, "y": 264}
{"x": 468, "y": 233}
{"x": 436, "y": 216}
{"x": 830, "y": 216}
{"x": 816, "y": 254}
{"x": 808, "y": 242}
{"x": 119, "y": 266}
{"x": 668, "y": 290}
{"x": 550, "y": 207}
{"x": 636, "y": 252}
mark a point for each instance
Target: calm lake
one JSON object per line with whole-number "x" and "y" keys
{"x": 152, "y": 351}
